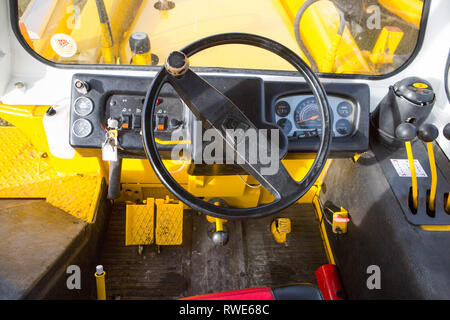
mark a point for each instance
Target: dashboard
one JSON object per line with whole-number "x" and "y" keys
{"x": 97, "y": 101}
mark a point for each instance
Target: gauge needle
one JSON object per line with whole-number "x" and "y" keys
{"x": 312, "y": 118}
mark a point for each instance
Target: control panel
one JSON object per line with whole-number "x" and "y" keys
{"x": 95, "y": 108}
{"x": 100, "y": 103}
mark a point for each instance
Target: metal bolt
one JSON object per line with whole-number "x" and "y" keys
{"x": 19, "y": 85}
{"x": 81, "y": 86}
{"x": 99, "y": 270}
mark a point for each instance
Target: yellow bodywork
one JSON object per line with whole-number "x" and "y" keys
{"x": 409, "y": 10}
{"x": 28, "y": 172}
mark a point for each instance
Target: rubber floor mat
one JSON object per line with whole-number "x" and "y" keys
{"x": 250, "y": 259}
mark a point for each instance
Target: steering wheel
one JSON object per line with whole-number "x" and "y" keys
{"x": 218, "y": 112}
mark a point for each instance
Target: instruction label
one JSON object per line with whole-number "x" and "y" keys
{"x": 402, "y": 168}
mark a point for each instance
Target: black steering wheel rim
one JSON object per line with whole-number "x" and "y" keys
{"x": 197, "y": 204}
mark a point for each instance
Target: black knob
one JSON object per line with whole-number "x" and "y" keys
{"x": 139, "y": 43}
{"x": 177, "y": 63}
{"x": 447, "y": 131}
{"x": 416, "y": 90}
{"x": 428, "y": 132}
{"x": 220, "y": 238}
{"x": 406, "y": 131}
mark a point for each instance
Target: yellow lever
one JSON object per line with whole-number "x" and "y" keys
{"x": 446, "y": 132}
{"x": 407, "y": 132}
{"x": 428, "y": 133}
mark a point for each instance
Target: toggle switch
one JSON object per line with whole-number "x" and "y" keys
{"x": 126, "y": 121}
{"x": 161, "y": 123}
{"x": 136, "y": 122}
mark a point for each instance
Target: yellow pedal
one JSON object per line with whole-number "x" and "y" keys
{"x": 169, "y": 222}
{"x": 280, "y": 227}
{"x": 140, "y": 223}
{"x": 340, "y": 221}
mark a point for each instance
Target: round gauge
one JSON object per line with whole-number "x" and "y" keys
{"x": 82, "y": 128}
{"x": 343, "y": 127}
{"x": 307, "y": 117}
{"x": 83, "y": 106}
{"x": 285, "y": 124}
{"x": 344, "y": 109}
{"x": 282, "y": 108}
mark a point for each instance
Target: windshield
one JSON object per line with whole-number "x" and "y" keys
{"x": 365, "y": 37}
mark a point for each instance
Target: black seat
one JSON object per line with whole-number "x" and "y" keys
{"x": 297, "y": 292}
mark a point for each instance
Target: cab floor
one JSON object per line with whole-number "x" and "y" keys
{"x": 250, "y": 259}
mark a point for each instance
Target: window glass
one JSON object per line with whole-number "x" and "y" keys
{"x": 369, "y": 37}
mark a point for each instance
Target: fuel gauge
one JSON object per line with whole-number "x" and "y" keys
{"x": 344, "y": 109}
{"x": 343, "y": 127}
{"x": 285, "y": 124}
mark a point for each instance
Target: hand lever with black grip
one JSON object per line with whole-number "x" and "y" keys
{"x": 428, "y": 133}
{"x": 407, "y": 132}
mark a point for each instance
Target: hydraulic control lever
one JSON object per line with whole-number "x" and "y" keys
{"x": 428, "y": 133}
{"x": 407, "y": 132}
{"x": 446, "y": 133}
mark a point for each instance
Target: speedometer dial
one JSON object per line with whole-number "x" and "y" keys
{"x": 307, "y": 118}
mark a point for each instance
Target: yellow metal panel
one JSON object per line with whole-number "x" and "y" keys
{"x": 24, "y": 171}
{"x": 29, "y": 120}
{"x": 140, "y": 223}
{"x": 409, "y": 10}
{"x": 169, "y": 223}
{"x": 386, "y": 45}
{"x": 77, "y": 195}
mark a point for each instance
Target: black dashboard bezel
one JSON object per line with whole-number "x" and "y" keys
{"x": 357, "y": 93}
{"x": 102, "y": 87}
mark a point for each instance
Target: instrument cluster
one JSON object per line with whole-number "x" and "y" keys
{"x": 299, "y": 116}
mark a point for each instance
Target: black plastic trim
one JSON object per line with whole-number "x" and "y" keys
{"x": 358, "y": 93}
{"x": 15, "y": 27}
